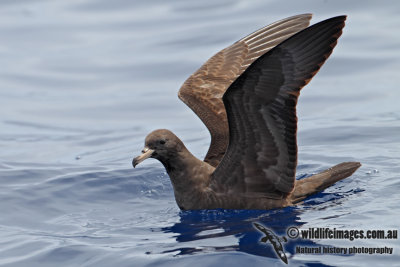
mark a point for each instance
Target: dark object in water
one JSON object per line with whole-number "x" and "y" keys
{"x": 246, "y": 95}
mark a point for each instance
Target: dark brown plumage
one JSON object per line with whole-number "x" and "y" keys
{"x": 246, "y": 95}
{"x": 204, "y": 89}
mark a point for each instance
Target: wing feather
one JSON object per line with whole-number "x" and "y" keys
{"x": 204, "y": 89}
{"x": 261, "y": 157}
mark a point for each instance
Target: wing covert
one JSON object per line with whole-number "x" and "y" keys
{"x": 261, "y": 157}
{"x": 204, "y": 89}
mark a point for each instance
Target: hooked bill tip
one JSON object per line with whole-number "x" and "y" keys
{"x": 134, "y": 163}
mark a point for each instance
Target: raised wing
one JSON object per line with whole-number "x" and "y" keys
{"x": 204, "y": 89}
{"x": 261, "y": 157}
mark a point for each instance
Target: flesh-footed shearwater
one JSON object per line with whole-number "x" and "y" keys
{"x": 246, "y": 95}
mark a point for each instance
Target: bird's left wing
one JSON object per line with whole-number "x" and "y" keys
{"x": 204, "y": 89}
{"x": 261, "y": 157}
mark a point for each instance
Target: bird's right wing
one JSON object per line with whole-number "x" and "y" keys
{"x": 204, "y": 89}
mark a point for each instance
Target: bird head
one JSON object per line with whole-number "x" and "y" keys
{"x": 160, "y": 144}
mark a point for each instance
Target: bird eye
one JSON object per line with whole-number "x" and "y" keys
{"x": 162, "y": 142}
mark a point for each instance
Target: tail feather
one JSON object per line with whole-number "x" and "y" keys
{"x": 316, "y": 183}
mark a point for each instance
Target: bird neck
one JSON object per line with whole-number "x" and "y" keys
{"x": 184, "y": 168}
{"x": 190, "y": 176}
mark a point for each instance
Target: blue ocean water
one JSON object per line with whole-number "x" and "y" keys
{"x": 82, "y": 83}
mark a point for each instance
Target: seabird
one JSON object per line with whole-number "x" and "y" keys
{"x": 274, "y": 239}
{"x": 246, "y": 95}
